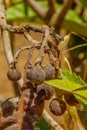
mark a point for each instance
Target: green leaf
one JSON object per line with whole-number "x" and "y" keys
{"x": 15, "y": 1}
{"x": 71, "y": 77}
{"x": 71, "y": 83}
{"x": 63, "y": 84}
{"x": 43, "y": 125}
{"x": 69, "y": 86}
{"x": 82, "y": 101}
{"x": 17, "y": 12}
{"x": 84, "y": 2}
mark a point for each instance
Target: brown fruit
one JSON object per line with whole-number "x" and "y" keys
{"x": 57, "y": 107}
{"x": 14, "y": 74}
{"x": 36, "y": 75}
{"x": 49, "y": 72}
{"x": 38, "y": 101}
{"x": 70, "y": 99}
{"x": 45, "y": 91}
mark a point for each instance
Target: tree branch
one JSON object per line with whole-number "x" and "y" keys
{"x": 40, "y": 11}
{"x": 44, "y": 44}
{"x": 6, "y": 39}
{"x": 5, "y": 36}
{"x": 30, "y": 39}
{"x": 51, "y": 5}
{"x": 51, "y": 10}
{"x": 58, "y": 17}
{"x": 51, "y": 121}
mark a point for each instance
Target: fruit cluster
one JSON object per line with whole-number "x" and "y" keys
{"x": 36, "y": 76}
{"x": 36, "y": 73}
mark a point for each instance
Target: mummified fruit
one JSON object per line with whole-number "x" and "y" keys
{"x": 70, "y": 99}
{"x": 57, "y": 107}
{"x": 44, "y": 91}
{"x": 49, "y": 72}
{"x": 14, "y": 74}
{"x": 38, "y": 101}
{"x": 36, "y": 75}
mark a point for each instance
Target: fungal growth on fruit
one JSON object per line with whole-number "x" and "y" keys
{"x": 57, "y": 107}
{"x": 13, "y": 74}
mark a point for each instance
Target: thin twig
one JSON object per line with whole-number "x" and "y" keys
{"x": 24, "y": 29}
{"x": 15, "y": 59}
{"x": 6, "y": 39}
{"x": 30, "y": 39}
{"x": 39, "y": 10}
{"x": 51, "y": 6}
{"x": 51, "y": 121}
{"x": 51, "y": 10}
{"x": 44, "y": 44}
{"x": 20, "y": 29}
{"x": 5, "y": 36}
{"x": 58, "y": 17}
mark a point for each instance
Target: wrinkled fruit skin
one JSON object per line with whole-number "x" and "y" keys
{"x": 57, "y": 107}
{"x": 14, "y": 74}
{"x": 70, "y": 99}
{"x": 49, "y": 72}
{"x": 44, "y": 91}
{"x": 38, "y": 101}
{"x": 36, "y": 75}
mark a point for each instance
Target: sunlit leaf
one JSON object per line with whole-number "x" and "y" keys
{"x": 71, "y": 77}
{"x": 63, "y": 84}
{"x": 81, "y": 100}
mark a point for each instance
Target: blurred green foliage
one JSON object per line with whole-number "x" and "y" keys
{"x": 20, "y": 11}
{"x": 43, "y": 125}
{"x": 84, "y": 2}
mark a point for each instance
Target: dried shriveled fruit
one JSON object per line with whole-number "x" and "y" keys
{"x": 36, "y": 75}
{"x": 57, "y": 107}
{"x": 45, "y": 91}
{"x": 49, "y": 72}
{"x": 70, "y": 99}
{"x": 14, "y": 74}
{"x": 38, "y": 101}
